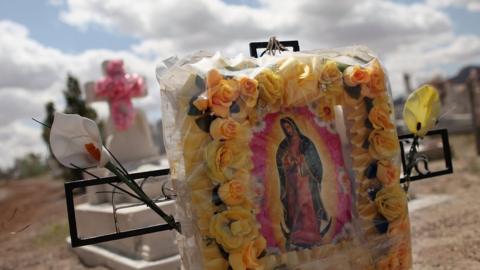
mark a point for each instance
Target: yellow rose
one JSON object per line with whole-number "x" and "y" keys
{"x": 233, "y": 228}
{"x": 326, "y": 108}
{"x": 383, "y": 144}
{"x": 213, "y": 259}
{"x": 354, "y": 75}
{"x": 233, "y": 192}
{"x": 382, "y": 100}
{"x": 224, "y": 129}
{"x": 388, "y": 173}
{"x": 249, "y": 91}
{"x": 270, "y": 85}
{"x": 330, "y": 72}
{"x": 391, "y": 202}
{"x": 376, "y": 86}
{"x": 224, "y": 159}
{"x": 218, "y": 157}
{"x": 216, "y": 264}
{"x": 198, "y": 180}
{"x": 301, "y": 82}
{"x": 379, "y": 116}
{"x": 247, "y": 258}
{"x": 331, "y": 78}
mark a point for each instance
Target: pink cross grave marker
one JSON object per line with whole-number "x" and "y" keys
{"x": 119, "y": 88}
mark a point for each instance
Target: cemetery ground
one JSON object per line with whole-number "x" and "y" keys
{"x": 445, "y": 230}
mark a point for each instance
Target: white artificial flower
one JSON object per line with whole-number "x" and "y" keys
{"x": 75, "y": 142}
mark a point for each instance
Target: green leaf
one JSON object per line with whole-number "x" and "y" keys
{"x": 200, "y": 83}
{"x": 353, "y": 92}
{"x": 192, "y": 110}
{"x": 235, "y": 108}
{"x": 342, "y": 66}
{"x": 368, "y": 103}
{"x": 204, "y": 121}
{"x": 229, "y": 68}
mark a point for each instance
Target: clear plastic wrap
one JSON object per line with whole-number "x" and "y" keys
{"x": 285, "y": 162}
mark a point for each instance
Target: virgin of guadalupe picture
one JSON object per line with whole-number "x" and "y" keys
{"x": 286, "y": 162}
{"x": 306, "y": 193}
{"x": 300, "y": 170}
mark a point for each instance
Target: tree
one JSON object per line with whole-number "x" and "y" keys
{"x": 75, "y": 104}
{"x": 50, "y": 110}
{"x": 29, "y": 166}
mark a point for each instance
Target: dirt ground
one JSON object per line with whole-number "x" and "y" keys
{"x": 33, "y": 224}
{"x": 447, "y": 235}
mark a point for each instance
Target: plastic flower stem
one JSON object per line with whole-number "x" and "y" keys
{"x": 144, "y": 198}
{"x": 411, "y": 161}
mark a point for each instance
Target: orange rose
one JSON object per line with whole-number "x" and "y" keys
{"x": 404, "y": 252}
{"x": 232, "y": 193}
{"x": 376, "y": 86}
{"x": 248, "y": 257}
{"x": 213, "y": 78}
{"x": 354, "y": 75}
{"x": 383, "y": 144}
{"x": 249, "y": 91}
{"x": 388, "y": 262}
{"x": 219, "y": 95}
{"x": 399, "y": 227}
{"x": 398, "y": 258}
{"x": 201, "y": 103}
{"x": 387, "y": 172}
{"x": 224, "y": 129}
{"x": 379, "y": 116}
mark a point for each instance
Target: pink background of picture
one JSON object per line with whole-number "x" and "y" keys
{"x": 268, "y": 135}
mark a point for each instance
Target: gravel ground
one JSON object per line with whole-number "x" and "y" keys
{"x": 33, "y": 224}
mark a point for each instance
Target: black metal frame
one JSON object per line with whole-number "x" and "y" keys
{"x": 254, "y": 46}
{"x": 77, "y": 241}
{"x": 447, "y": 155}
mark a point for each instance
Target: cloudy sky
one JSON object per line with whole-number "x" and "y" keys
{"x": 41, "y": 41}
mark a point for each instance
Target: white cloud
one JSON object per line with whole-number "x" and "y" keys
{"x": 56, "y": 3}
{"x": 33, "y": 74}
{"x": 24, "y": 62}
{"x": 19, "y": 138}
{"x": 188, "y": 25}
{"x": 471, "y": 5}
{"x": 415, "y": 38}
{"x": 183, "y": 26}
{"x": 427, "y": 59}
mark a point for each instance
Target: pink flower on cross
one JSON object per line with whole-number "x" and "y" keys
{"x": 119, "y": 88}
